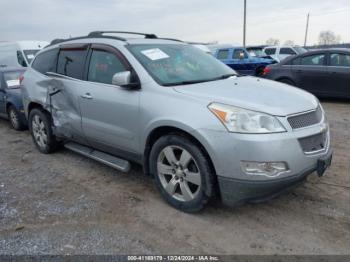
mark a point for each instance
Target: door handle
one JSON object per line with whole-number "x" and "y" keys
{"x": 87, "y": 96}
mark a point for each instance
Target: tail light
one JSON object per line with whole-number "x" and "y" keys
{"x": 266, "y": 71}
{"x": 21, "y": 78}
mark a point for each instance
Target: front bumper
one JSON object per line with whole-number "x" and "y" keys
{"x": 235, "y": 191}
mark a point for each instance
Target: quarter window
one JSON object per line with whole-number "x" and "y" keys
{"x": 46, "y": 61}
{"x": 103, "y": 66}
{"x": 341, "y": 60}
{"x": 313, "y": 60}
{"x": 71, "y": 62}
{"x": 222, "y": 54}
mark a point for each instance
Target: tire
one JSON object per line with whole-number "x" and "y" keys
{"x": 259, "y": 71}
{"x": 14, "y": 118}
{"x": 182, "y": 173}
{"x": 41, "y": 131}
{"x": 287, "y": 81}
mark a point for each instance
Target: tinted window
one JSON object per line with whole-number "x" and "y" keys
{"x": 313, "y": 60}
{"x": 20, "y": 59}
{"x": 287, "y": 51}
{"x": 103, "y": 65}
{"x": 239, "y": 54}
{"x": 46, "y": 61}
{"x": 340, "y": 60}
{"x": 71, "y": 62}
{"x": 270, "y": 51}
{"x": 223, "y": 54}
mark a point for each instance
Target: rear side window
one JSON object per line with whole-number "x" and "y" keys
{"x": 20, "y": 59}
{"x": 270, "y": 51}
{"x": 313, "y": 60}
{"x": 287, "y": 51}
{"x": 71, "y": 62}
{"x": 222, "y": 54}
{"x": 46, "y": 61}
{"x": 239, "y": 54}
{"x": 341, "y": 60}
{"x": 103, "y": 66}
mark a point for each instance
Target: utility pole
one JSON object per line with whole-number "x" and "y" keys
{"x": 307, "y": 28}
{"x": 244, "y": 23}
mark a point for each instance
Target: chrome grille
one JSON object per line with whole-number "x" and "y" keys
{"x": 305, "y": 120}
{"x": 313, "y": 143}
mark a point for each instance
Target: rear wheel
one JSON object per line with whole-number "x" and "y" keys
{"x": 182, "y": 173}
{"x": 14, "y": 118}
{"x": 41, "y": 131}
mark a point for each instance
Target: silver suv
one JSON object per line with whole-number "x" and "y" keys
{"x": 193, "y": 123}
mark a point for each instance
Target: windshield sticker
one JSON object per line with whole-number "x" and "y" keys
{"x": 155, "y": 54}
{"x": 11, "y": 83}
{"x": 30, "y": 56}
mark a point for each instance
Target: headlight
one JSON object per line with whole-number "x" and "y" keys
{"x": 240, "y": 120}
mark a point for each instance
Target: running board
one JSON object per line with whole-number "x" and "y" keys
{"x": 109, "y": 160}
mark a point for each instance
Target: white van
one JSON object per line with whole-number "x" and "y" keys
{"x": 19, "y": 53}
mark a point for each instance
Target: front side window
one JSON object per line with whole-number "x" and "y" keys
{"x": 287, "y": 51}
{"x": 103, "y": 66}
{"x": 71, "y": 62}
{"x": 341, "y": 60}
{"x": 223, "y": 54}
{"x": 239, "y": 54}
{"x": 313, "y": 60}
{"x": 46, "y": 61}
{"x": 178, "y": 64}
{"x": 270, "y": 51}
{"x": 20, "y": 59}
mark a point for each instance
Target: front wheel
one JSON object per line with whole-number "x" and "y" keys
{"x": 41, "y": 131}
{"x": 182, "y": 172}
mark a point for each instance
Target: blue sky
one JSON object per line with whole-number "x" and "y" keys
{"x": 192, "y": 20}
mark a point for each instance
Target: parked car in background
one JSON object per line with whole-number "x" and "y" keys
{"x": 11, "y": 106}
{"x": 19, "y": 53}
{"x": 241, "y": 61}
{"x": 191, "y": 121}
{"x": 325, "y": 73}
{"x": 281, "y": 52}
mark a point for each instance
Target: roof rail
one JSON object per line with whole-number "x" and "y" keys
{"x": 59, "y": 40}
{"x": 101, "y": 33}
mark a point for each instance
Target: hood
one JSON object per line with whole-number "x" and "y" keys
{"x": 253, "y": 93}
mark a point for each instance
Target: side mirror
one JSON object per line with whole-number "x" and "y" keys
{"x": 123, "y": 79}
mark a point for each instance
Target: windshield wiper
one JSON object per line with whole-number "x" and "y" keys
{"x": 189, "y": 82}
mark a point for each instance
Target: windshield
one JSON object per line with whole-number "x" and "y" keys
{"x": 12, "y": 79}
{"x": 177, "y": 64}
{"x": 30, "y": 54}
{"x": 300, "y": 50}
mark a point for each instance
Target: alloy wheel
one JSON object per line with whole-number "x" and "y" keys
{"x": 39, "y": 131}
{"x": 179, "y": 173}
{"x": 14, "y": 119}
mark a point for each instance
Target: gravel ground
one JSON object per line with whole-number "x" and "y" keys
{"x": 67, "y": 204}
